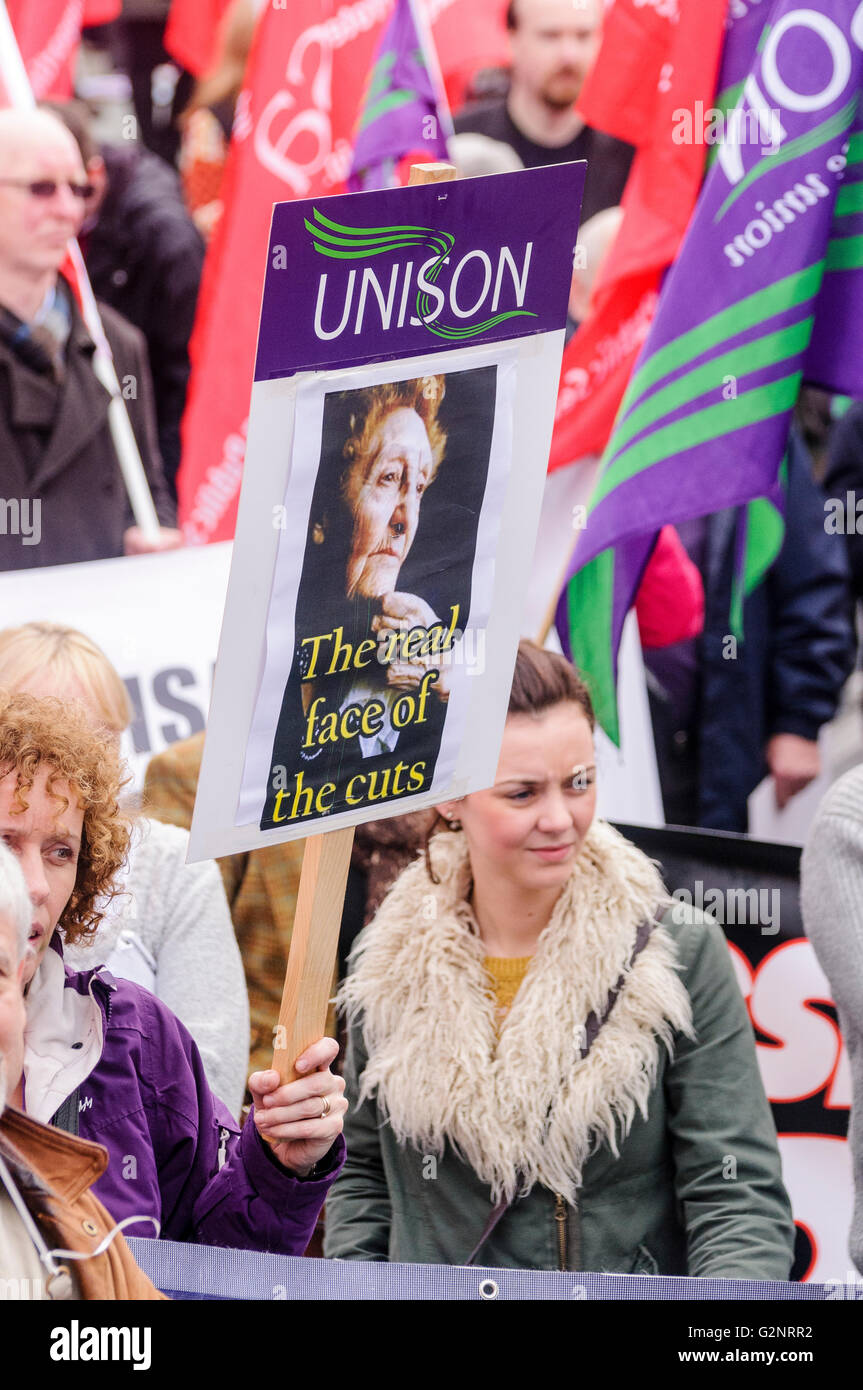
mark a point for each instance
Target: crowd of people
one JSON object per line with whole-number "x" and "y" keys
{"x": 535, "y": 1062}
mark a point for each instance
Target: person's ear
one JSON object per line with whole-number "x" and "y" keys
{"x": 97, "y": 175}
{"x": 449, "y": 812}
{"x": 319, "y": 532}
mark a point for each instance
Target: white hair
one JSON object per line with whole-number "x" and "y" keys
{"x": 475, "y": 155}
{"x": 15, "y": 903}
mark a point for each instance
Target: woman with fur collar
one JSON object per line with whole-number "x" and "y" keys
{"x": 550, "y": 1065}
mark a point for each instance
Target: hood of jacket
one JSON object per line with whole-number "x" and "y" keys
{"x": 523, "y": 1107}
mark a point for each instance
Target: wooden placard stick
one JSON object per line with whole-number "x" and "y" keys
{"x": 320, "y": 899}
{"x": 431, "y": 173}
{"x": 314, "y": 947}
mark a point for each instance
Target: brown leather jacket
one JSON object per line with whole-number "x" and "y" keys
{"x": 54, "y": 1172}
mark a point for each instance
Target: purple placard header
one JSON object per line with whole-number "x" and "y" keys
{"x": 364, "y": 277}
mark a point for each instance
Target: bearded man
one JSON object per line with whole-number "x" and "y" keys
{"x": 553, "y": 46}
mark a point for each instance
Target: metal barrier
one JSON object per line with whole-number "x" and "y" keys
{"x": 208, "y": 1272}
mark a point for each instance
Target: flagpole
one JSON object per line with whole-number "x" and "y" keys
{"x": 12, "y": 68}
{"x": 20, "y": 96}
{"x": 423, "y": 28}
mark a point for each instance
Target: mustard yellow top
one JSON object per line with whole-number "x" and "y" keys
{"x": 505, "y": 975}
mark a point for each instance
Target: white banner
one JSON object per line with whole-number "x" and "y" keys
{"x": 157, "y": 619}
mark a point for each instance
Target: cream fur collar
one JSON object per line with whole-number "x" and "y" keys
{"x": 525, "y": 1103}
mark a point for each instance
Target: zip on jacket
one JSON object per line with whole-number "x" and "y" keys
{"x": 562, "y": 1232}
{"x": 568, "y": 1229}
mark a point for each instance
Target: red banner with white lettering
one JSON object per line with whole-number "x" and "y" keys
{"x": 469, "y": 34}
{"x": 654, "y": 62}
{"x": 293, "y": 138}
{"x": 49, "y": 33}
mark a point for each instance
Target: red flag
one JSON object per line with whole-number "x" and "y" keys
{"x": 101, "y": 11}
{"x": 292, "y": 139}
{"x": 653, "y": 61}
{"x": 303, "y": 88}
{"x": 48, "y": 36}
{"x": 192, "y": 31}
{"x": 468, "y": 36}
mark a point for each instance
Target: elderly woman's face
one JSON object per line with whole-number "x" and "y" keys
{"x": 384, "y": 493}
{"x": 12, "y": 1017}
{"x": 46, "y": 841}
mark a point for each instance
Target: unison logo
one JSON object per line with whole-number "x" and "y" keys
{"x": 476, "y": 284}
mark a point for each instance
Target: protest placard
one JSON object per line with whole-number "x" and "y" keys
{"x": 407, "y": 367}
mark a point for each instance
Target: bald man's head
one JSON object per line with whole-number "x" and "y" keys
{"x": 40, "y": 167}
{"x": 25, "y": 135}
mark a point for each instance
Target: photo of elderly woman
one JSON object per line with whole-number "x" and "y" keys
{"x": 384, "y": 594}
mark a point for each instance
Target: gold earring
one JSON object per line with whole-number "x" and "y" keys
{"x": 318, "y": 533}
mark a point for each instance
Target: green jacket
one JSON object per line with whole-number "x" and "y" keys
{"x": 697, "y": 1188}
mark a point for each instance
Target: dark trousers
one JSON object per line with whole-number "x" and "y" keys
{"x": 138, "y": 49}
{"x": 677, "y": 762}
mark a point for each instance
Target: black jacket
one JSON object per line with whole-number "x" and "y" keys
{"x": 844, "y": 474}
{"x": 796, "y": 652}
{"x": 144, "y": 257}
{"x": 66, "y": 463}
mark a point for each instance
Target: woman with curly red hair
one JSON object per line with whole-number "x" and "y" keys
{"x": 108, "y": 1060}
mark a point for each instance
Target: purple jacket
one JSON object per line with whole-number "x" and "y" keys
{"x": 175, "y": 1151}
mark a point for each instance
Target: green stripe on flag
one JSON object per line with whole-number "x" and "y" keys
{"x": 804, "y": 144}
{"x": 855, "y": 148}
{"x": 738, "y": 362}
{"x": 765, "y": 532}
{"x": 589, "y": 607}
{"x": 393, "y": 101}
{"x": 380, "y": 76}
{"x": 845, "y": 253}
{"x": 849, "y": 199}
{"x": 728, "y": 323}
{"x": 714, "y": 422}
{"x": 724, "y": 101}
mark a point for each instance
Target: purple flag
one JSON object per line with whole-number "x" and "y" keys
{"x": 765, "y": 291}
{"x": 404, "y": 106}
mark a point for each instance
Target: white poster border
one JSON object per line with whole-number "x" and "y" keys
{"x": 242, "y": 646}
{"x": 309, "y": 406}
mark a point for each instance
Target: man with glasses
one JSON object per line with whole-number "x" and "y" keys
{"x": 63, "y": 498}
{"x": 144, "y": 256}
